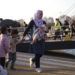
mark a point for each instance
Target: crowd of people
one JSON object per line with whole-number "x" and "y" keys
{"x": 38, "y": 29}
{"x": 8, "y": 44}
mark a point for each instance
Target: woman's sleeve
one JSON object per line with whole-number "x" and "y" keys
{"x": 29, "y": 27}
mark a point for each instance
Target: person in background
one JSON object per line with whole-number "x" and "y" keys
{"x": 67, "y": 35}
{"x": 38, "y": 47}
{"x": 4, "y": 45}
{"x": 14, "y": 40}
{"x": 57, "y": 28}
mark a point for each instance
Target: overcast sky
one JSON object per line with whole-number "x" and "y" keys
{"x": 25, "y": 9}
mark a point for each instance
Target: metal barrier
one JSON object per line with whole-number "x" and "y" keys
{"x": 59, "y": 45}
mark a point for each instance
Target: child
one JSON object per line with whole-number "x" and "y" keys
{"x": 38, "y": 47}
{"x": 4, "y": 45}
{"x": 13, "y": 42}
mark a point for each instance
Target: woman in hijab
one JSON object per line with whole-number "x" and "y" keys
{"x": 35, "y": 23}
{"x": 38, "y": 46}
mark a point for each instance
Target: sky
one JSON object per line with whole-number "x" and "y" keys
{"x": 25, "y": 9}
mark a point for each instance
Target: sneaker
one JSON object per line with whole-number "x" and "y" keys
{"x": 38, "y": 70}
{"x": 31, "y": 62}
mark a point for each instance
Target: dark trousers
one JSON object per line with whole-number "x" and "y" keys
{"x": 36, "y": 60}
{"x": 57, "y": 35}
{"x": 12, "y": 59}
{"x": 2, "y": 61}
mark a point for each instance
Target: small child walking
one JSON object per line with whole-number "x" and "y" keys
{"x": 12, "y": 54}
